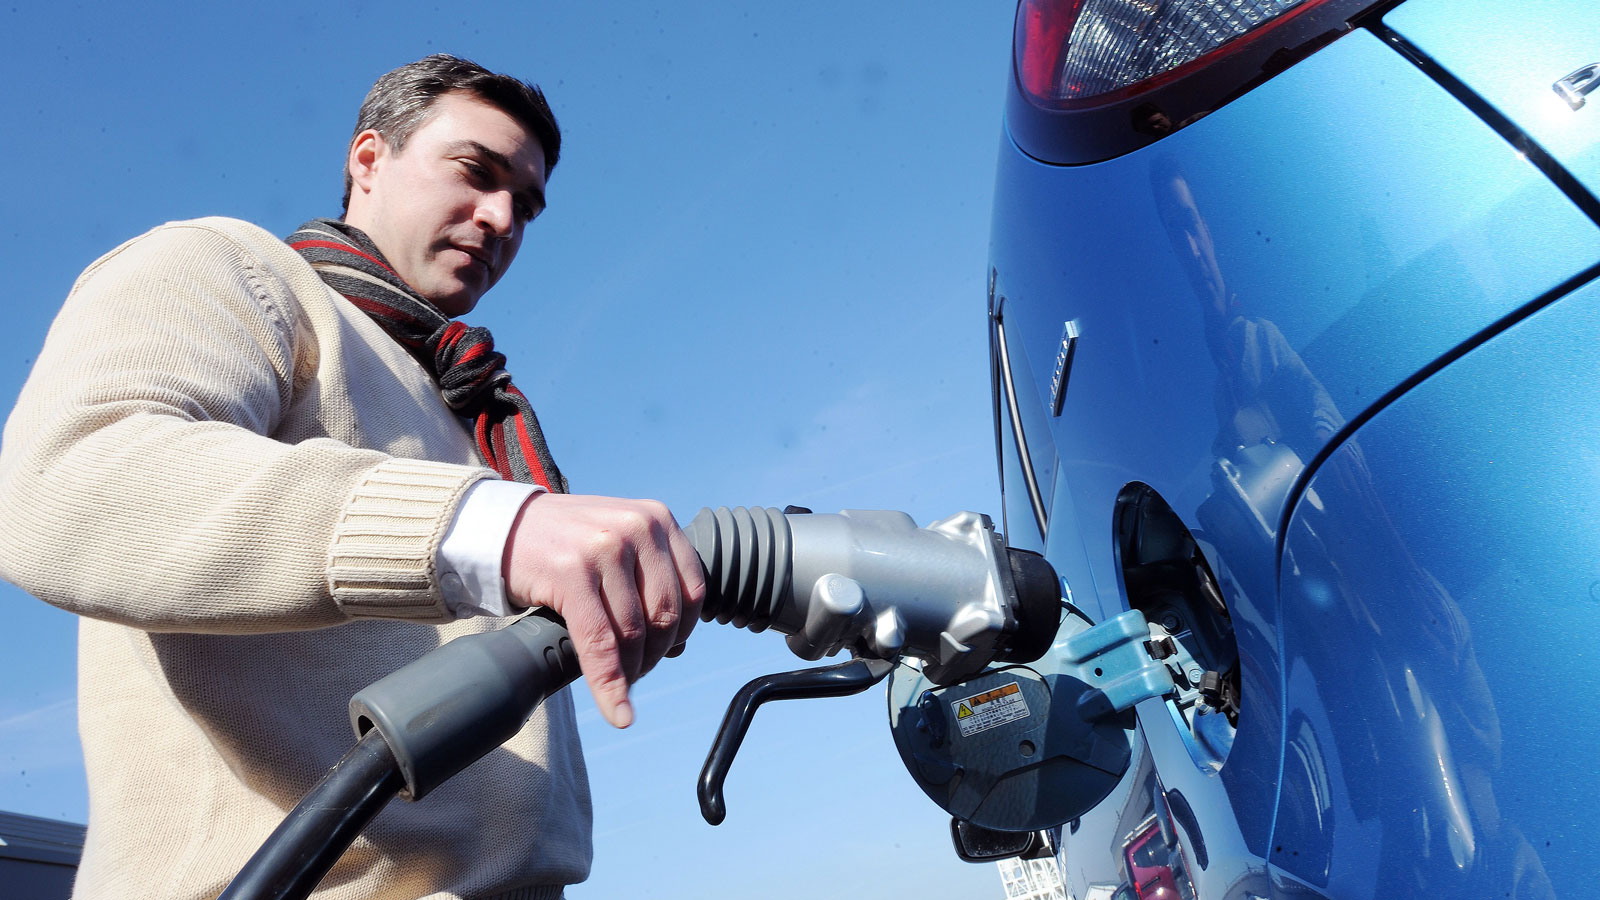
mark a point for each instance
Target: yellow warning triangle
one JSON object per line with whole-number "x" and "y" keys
{"x": 963, "y": 711}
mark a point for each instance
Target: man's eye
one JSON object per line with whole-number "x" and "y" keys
{"x": 525, "y": 212}
{"x": 475, "y": 170}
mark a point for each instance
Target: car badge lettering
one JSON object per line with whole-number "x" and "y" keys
{"x": 1575, "y": 87}
{"x": 1058, "y": 381}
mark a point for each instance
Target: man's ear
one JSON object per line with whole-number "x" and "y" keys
{"x": 367, "y": 152}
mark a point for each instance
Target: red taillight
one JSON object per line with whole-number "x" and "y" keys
{"x": 1070, "y": 52}
{"x": 1042, "y": 25}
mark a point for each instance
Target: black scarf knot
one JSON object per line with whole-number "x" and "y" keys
{"x": 470, "y": 370}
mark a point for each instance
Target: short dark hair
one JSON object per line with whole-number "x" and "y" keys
{"x": 401, "y": 101}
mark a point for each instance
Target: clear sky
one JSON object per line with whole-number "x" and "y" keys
{"x": 760, "y": 281}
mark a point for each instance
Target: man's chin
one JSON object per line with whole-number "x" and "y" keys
{"x": 454, "y": 303}
{"x": 455, "y": 295}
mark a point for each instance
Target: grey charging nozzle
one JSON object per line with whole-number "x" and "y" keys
{"x": 873, "y": 583}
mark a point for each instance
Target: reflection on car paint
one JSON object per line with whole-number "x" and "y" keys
{"x": 1461, "y": 582}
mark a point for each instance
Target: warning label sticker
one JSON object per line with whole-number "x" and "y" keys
{"x": 998, "y": 706}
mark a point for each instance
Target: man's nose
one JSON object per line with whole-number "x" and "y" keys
{"x": 495, "y": 215}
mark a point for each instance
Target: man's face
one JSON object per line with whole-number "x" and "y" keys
{"x": 449, "y": 209}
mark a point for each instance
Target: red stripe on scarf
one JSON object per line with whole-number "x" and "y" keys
{"x": 452, "y": 334}
{"x": 473, "y": 352}
{"x": 330, "y": 245}
{"x": 376, "y": 309}
{"x": 497, "y": 436}
{"x": 481, "y": 431}
{"x": 534, "y": 469}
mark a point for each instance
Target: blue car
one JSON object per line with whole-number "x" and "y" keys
{"x": 1296, "y": 344}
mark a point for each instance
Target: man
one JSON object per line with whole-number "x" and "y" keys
{"x": 232, "y": 447}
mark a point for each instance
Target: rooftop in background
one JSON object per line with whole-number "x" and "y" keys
{"x": 38, "y": 857}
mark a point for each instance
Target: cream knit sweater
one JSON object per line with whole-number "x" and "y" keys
{"x": 219, "y": 464}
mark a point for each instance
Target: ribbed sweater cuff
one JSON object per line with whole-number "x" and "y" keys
{"x": 381, "y": 562}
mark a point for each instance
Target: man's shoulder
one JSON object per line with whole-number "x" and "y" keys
{"x": 188, "y": 246}
{"x": 220, "y": 231}
{"x": 216, "y": 255}
{"x": 237, "y": 229}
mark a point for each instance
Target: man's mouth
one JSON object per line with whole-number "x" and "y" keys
{"x": 479, "y": 256}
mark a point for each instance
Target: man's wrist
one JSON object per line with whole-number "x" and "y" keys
{"x": 471, "y": 556}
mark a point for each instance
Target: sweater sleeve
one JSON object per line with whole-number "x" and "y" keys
{"x": 139, "y": 484}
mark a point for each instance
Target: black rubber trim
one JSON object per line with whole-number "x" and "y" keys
{"x": 1483, "y": 109}
{"x": 1388, "y": 399}
{"x": 1038, "y": 593}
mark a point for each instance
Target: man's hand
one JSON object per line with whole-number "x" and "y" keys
{"x": 620, "y": 572}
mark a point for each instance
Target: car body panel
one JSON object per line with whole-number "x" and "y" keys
{"x": 1511, "y": 53}
{"x": 1439, "y": 601}
{"x": 1247, "y": 291}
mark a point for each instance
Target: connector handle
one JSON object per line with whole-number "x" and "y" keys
{"x": 459, "y": 702}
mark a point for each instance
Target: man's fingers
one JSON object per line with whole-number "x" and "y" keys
{"x": 622, "y": 573}
{"x": 661, "y": 592}
{"x": 594, "y": 638}
{"x": 620, "y": 589}
{"x": 691, "y": 580}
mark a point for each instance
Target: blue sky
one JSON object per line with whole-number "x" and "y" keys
{"x": 760, "y": 281}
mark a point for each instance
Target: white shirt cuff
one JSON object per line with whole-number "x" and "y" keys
{"x": 472, "y": 552}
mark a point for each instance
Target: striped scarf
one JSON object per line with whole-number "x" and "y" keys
{"x": 471, "y": 375}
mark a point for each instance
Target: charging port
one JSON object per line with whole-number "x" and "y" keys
{"x": 1165, "y": 576}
